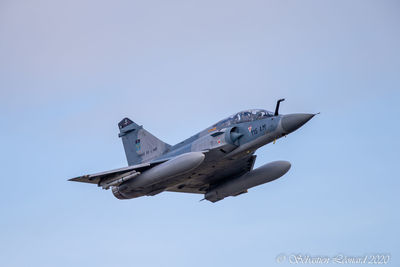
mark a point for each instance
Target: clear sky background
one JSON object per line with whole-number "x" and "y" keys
{"x": 70, "y": 70}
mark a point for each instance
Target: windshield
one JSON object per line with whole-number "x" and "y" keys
{"x": 244, "y": 116}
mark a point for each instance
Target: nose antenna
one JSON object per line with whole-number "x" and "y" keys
{"x": 277, "y": 106}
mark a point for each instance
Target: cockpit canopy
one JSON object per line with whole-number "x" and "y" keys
{"x": 244, "y": 116}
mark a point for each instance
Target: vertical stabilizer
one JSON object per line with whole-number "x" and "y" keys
{"x": 140, "y": 145}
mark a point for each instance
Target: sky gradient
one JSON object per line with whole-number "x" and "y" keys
{"x": 70, "y": 70}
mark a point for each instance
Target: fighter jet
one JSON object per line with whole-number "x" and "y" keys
{"x": 217, "y": 162}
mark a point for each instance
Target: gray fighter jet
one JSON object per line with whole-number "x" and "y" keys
{"x": 217, "y": 162}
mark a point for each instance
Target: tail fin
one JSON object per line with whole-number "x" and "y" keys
{"x": 140, "y": 145}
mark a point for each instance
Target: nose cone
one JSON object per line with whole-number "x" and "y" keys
{"x": 292, "y": 122}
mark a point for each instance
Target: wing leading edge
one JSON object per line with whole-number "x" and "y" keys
{"x": 115, "y": 177}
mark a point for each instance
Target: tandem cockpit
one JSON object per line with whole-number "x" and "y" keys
{"x": 244, "y": 116}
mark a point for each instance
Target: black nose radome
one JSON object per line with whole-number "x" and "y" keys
{"x": 292, "y": 122}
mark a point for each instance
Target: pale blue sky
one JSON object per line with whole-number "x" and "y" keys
{"x": 70, "y": 70}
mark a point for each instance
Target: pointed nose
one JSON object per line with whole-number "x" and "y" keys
{"x": 292, "y": 122}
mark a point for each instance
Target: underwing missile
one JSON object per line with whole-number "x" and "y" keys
{"x": 120, "y": 180}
